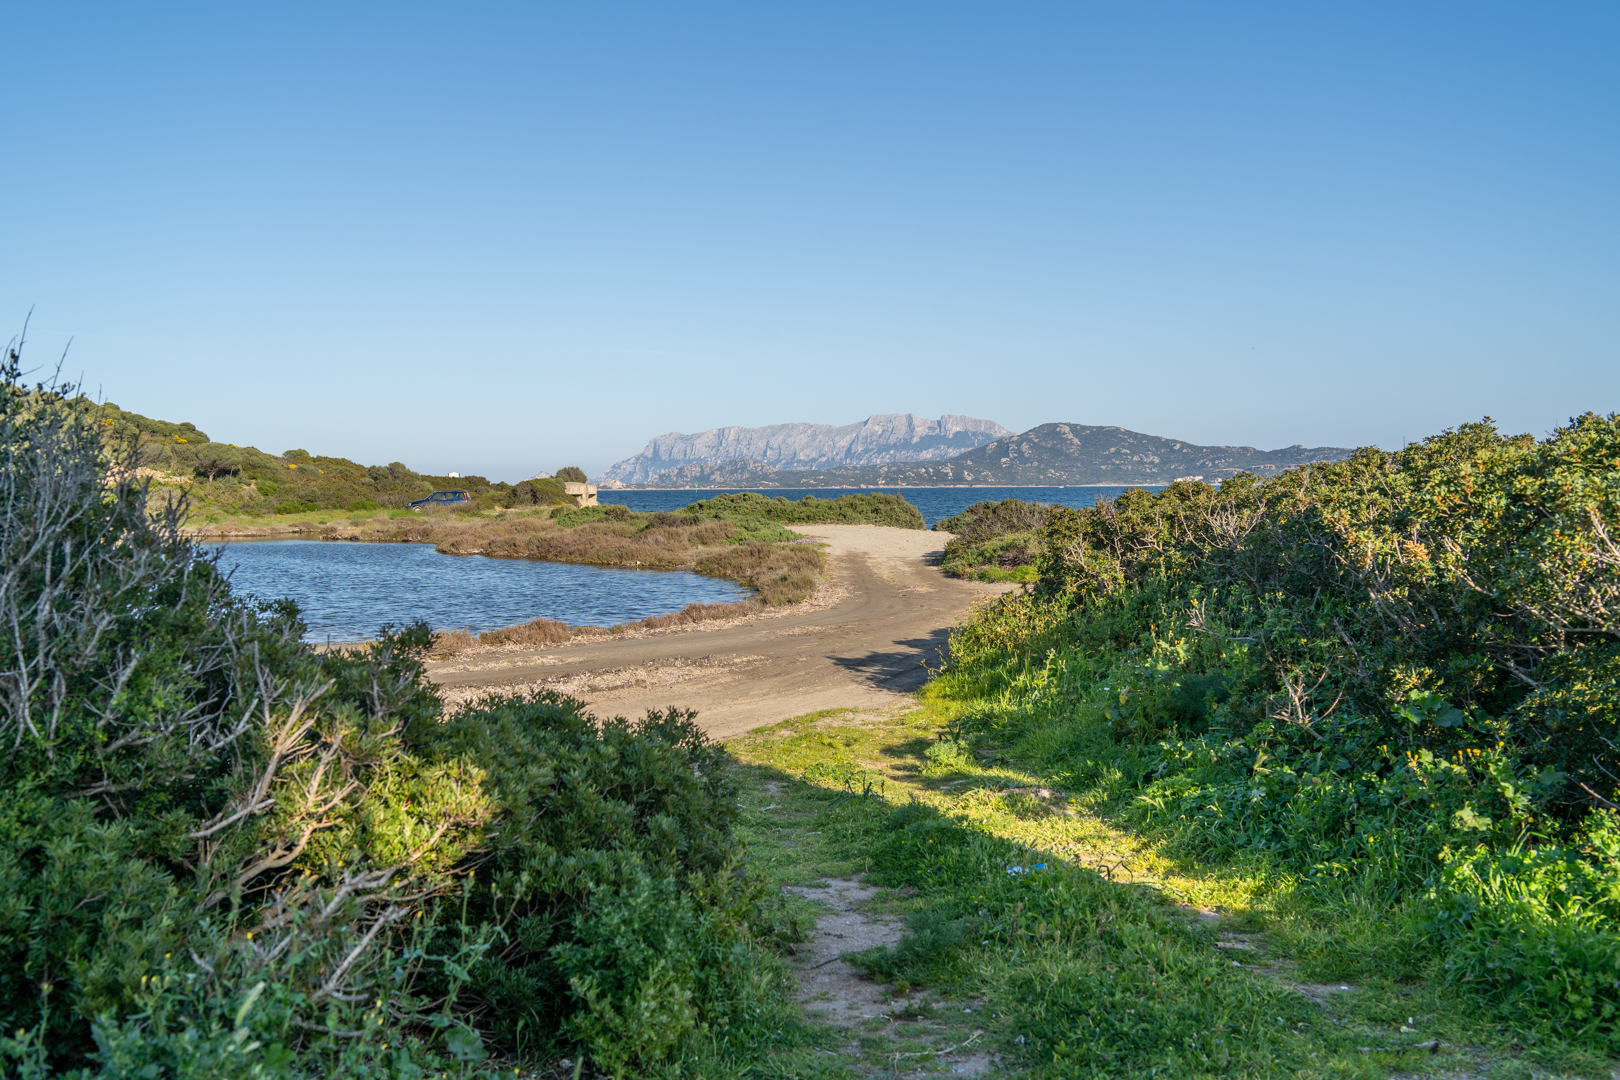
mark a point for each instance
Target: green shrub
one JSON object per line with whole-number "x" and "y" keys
{"x": 614, "y": 885}
{"x": 1354, "y": 672}
{"x": 995, "y": 541}
{"x": 947, "y": 755}
{"x": 1532, "y": 929}
{"x": 539, "y": 493}
{"x": 225, "y": 853}
{"x": 987, "y": 520}
{"x": 584, "y": 515}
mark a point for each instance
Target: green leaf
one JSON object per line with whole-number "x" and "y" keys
{"x": 465, "y": 1044}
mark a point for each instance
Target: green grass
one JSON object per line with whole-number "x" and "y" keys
{"x": 1120, "y": 958}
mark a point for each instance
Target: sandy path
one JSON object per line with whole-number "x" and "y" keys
{"x": 865, "y": 651}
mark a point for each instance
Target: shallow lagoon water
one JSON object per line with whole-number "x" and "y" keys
{"x": 347, "y": 590}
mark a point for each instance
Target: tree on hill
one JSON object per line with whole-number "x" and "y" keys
{"x": 571, "y": 474}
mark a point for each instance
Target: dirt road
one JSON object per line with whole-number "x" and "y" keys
{"x": 892, "y": 614}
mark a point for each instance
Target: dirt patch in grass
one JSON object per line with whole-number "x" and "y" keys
{"x": 827, "y": 985}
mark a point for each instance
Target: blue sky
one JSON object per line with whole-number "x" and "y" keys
{"x": 501, "y": 238}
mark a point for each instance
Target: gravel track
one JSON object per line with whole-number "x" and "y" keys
{"x": 866, "y": 650}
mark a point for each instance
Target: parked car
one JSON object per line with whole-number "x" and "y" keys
{"x": 443, "y": 498}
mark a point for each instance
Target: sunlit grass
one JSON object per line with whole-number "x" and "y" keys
{"x": 1296, "y": 949}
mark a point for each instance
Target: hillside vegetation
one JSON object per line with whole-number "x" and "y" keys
{"x": 224, "y": 854}
{"x": 1388, "y": 686}
{"x": 225, "y": 479}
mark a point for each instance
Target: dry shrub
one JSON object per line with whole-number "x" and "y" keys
{"x": 780, "y": 573}
{"x": 534, "y": 632}
{"x": 710, "y": 532}
{"x": 696, "y": 613}
{"x": 451, "y": 642}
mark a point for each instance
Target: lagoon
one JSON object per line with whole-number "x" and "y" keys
{"x": 347, "y": 590}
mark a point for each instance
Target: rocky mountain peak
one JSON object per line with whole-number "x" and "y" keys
{"x": 881, "y": 438}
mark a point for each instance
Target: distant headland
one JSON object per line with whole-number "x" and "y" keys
{"x": 1051, "y": 455}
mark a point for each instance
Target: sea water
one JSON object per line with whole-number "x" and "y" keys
{"x": 934, "y": 502}
{"x": 346, "y": 591}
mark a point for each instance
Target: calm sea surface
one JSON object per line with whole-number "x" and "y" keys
{"x": 347, "y": 591}
{"x": 935, "y": 503}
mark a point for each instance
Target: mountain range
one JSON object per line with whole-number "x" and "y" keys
{"x": 879, "y": 439}
{"x": 1051, "y": 454}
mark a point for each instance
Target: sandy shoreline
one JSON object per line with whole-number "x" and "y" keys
{"x": 884, "y": 619}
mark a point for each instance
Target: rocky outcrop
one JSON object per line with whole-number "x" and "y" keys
{"x": 888, "y": 437}
{"x": 737, "y": 473}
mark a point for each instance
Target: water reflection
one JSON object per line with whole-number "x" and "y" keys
{"x": 348, "y": 590}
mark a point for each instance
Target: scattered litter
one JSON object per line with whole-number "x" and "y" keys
{"x": 1026, "y": 869}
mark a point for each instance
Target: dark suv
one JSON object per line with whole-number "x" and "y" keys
{"x": 443, "y": 498}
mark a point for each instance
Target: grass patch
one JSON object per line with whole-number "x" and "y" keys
{"x": 1121, "y": 957}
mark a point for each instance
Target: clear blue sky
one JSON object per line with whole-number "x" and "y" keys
{"x": 501, "y": 238}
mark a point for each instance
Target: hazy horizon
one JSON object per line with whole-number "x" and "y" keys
{"x": 502, "y": 239}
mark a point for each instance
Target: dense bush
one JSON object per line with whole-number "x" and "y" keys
{"x": 995, "y": 541}
{"x": 224, "y": 853}
{"x": 623, "y": 917}
{"x": 988, "y": 519}
{"x": 873, "y": 509}
{"x": 545, "y": 492}
{"x": 1397, "y": 675}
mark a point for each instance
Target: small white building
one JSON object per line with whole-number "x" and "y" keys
{"x": 584, "y": 494}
